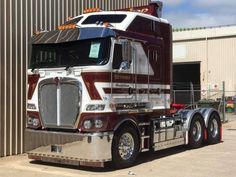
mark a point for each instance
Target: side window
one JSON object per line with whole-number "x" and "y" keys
{"x": 117, "y": 58}
{"x": 123, "y": 54}
{"x": 148, "y": 26}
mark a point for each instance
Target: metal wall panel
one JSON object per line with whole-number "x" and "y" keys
{"x": 217, "y": 56}
{"x": 19, "y": 19}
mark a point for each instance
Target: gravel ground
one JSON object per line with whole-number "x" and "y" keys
{"x": 209, "y": 161}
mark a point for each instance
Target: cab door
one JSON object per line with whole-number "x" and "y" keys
{"x": 123, "y": 77}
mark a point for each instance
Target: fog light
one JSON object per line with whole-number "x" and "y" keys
{"x": 98, "y": 123}
{"x": 88, "y": 124}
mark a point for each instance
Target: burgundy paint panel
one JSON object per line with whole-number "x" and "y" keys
{"x": 90, "y": 78}
{"x": 32, "y": 81}
{"x": 123, "y": 78}
{"x": 111, "y": 120}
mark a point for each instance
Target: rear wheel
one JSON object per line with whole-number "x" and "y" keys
{"x": 196, "y": 132}
{"x": 125, "y": 147}
{"x": 213, "y": 129}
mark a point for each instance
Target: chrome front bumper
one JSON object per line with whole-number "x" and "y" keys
{"x": 92, "y": 149}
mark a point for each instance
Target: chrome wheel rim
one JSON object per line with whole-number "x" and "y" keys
{"x": 214, "y": 128}
{"x": 126, "y": 146}
{"x": 197, "y": 131}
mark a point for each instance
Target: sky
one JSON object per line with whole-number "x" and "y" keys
{"x": 199, "y": 13}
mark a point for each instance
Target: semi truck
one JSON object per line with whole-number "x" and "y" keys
{"x": 100, "y": 90}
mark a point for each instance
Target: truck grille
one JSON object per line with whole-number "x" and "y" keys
{"x": 59, "y": 102}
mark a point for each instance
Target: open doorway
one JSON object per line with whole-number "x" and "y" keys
{"x": 186, "y": 82}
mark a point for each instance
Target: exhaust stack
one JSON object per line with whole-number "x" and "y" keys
{"x": 158, "y": 6}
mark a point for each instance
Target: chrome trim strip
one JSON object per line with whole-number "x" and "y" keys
{"x": 168, "y": 144}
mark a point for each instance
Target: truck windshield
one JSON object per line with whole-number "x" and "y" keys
{"x": 76, "y": 53}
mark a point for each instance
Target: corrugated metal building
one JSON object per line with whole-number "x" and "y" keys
{"x": 19, "y": 19}
{"x": 214, "y": 49}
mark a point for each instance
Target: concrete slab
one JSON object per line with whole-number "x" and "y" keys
{"x": 214, "y": 160}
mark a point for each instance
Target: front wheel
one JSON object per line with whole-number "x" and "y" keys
{"x": 196, "y": 132}
{"x": 125, "y": 147}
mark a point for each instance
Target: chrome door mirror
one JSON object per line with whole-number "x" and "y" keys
{"x": 125, "y": 65}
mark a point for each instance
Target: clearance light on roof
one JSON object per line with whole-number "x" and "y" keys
{"x": 39, "y": 32}
{"x": 92, "y": 10}
{"x": 69, "y": 18}
{"x": 67, "y": 26}
{"x": 141, "y": 10}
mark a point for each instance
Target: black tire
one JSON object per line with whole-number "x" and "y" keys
{"x": 196, "y": 132}
{"x": 128, "y": 160}
{"x": 213, "y": 129}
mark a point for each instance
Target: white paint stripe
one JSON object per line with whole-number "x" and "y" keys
{"x": 50, "y": 15}
{"x": 10, "y": 81}
{"x": 16, "y": 90}
{"x": 45, "y": 15}
{"x": 54, "y": 14}
{"x": 66, "y": 13}
{"x": 62, "y": 11}
{"x": 58, "y": 106}
{"x": 74, "y": 5}
{"x": 5, "y": 78}
{"x": 21, "y": 85}
{"x": 26, "y": 66}
{"x": 41, "y": 15}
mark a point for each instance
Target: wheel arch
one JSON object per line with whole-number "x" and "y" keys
{"x": 132, "y": 123}
{"x": 188, "y": 116}
{"x": 206, "y": 113}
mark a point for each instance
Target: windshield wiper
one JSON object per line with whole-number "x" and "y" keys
{"x": 69, "y": 66}
{"x": 33, "y": 68}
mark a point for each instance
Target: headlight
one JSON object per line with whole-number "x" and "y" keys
{"x": 98, "y": 123}
{"x": 33, "y": 122}
{"x": 31, "y": 106}
{"x": 95, "y": 107}
{"x": 91, "y": 124}
{"x": 88, "y": 124}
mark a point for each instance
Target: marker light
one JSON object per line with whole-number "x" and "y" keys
{"x": 67, "y": 26}
{"x": 90, "y": 10}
